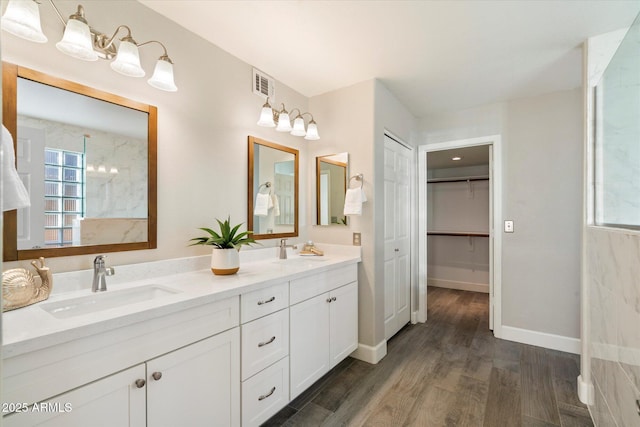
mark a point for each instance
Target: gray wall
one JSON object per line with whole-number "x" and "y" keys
{"x": 542, "y": 170}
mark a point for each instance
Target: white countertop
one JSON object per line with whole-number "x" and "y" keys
{"x": 32, "y": 328}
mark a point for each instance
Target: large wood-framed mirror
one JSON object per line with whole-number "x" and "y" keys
{"x": 89, "y": 161}
{"x": 273, "y": 190}
{"x": 331, "y": 187}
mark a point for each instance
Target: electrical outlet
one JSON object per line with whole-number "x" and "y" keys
{"x": 356, "y": 239}
{"x": 508, "y": 226}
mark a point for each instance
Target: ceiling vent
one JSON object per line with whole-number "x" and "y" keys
{"x": 263, "y": 85}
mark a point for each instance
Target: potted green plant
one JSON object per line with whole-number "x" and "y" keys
{"x": 225, "y": 259}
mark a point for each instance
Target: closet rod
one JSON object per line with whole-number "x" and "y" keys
{"x": 457, "y": 233}
{"x": 470, "y": 178}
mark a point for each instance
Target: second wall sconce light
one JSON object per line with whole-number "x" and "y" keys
{"x": 282, "y": 122}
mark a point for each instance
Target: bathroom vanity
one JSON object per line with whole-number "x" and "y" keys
{"x": 195, "y": 349}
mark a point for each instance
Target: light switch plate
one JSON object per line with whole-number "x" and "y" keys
{"x": 356, "y": 239}
{"x": 508, "y": 226}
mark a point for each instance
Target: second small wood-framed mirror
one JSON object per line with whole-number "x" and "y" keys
{"x": 331, "y": 186}
{"x": 272, "y": 190}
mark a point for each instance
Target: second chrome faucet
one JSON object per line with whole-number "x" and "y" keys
{"x": 283, "y": 248}
{"x": 100, "y": 271}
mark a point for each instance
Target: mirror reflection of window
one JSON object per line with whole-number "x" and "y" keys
{"x": 84, "y": 166}
{"x": 331, "y": 186}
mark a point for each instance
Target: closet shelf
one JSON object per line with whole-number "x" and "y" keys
{"x": 458, "y": 179}
{"x": 457, "y": 233}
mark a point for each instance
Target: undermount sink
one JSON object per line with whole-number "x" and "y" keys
{"x": 105, "y": 300}
{"x": 307, "y": 260}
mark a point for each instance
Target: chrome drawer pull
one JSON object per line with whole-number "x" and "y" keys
{"x": 140, "y": 383}
{"x": 262, "y": 344}
{"x": 272, "y": 299}
{"x": 156, "y": 376}
{"x": 264, "y": 396}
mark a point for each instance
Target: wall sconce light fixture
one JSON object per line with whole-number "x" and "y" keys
{"x": 22, "y": 19}
{"x": 281, "y": 121}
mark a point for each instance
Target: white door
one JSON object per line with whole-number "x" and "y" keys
{"x": 112, "y": 401}
{"x": 198, "y": 385}
{"x": 30, "y": 159}
{"x": 397, "y": 239}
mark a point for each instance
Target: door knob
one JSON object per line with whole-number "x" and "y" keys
{"x": 156, "y": 376}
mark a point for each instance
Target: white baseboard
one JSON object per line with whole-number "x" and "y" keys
{"x": 370, "y": 354}
{"x": 585, "y": 391}
{"x": 461, "y": 286}
{"x": 541, "y": 339}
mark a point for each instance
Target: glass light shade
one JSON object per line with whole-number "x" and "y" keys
{"x": 22, "y": 19}
{"x": 298, "y": 127}
{"x": 76, "y": 41}
{"x": 127, "y": 60}
{"x": 284, "y": 124}
{"x": 163, "y": 76}
{"x": 312, "y": 132}
{"x": 266, "y": 118}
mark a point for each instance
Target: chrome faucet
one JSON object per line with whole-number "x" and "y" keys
{"x": 283, "y": 248}
{"x": 100, "y": 271}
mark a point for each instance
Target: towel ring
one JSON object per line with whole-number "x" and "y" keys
{"x": 358, "y": 177}
{"x": 266, "y": 185}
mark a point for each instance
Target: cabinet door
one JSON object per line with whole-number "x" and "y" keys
{"x": 197, "y": 385}
{"x": 343, "y": 322}
{"x": 309, "y": 342}
{"x": 111, "y": 401}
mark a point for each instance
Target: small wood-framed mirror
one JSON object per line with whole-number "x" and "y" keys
{"x": 273, "y": 190}
{"x": 89, "y": 162}
{"x": 331, "y": 186}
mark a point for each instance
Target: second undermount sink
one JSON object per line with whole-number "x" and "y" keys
{"x": 301, "y": 260}
{"x": 105, "y": 300}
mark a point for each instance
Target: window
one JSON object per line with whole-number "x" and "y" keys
{"x": 63, "y": 193}
{"x": 616, "y": 153}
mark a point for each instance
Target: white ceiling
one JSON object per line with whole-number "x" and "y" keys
{"x": 433, "y": 55}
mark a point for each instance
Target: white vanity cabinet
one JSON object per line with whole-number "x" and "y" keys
{"x": 196, "y": 385}
{"x": 179, "y": 369}
{"x": 324, "y": 324}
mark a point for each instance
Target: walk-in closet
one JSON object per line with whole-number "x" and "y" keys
{"x": 458, "y": 219}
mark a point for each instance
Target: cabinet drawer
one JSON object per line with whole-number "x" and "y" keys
{"x": 263, "y": 301}
{"x": 316, "y": 284}
{"x": 265, "y": 394}
{"x": 264, "y": 341}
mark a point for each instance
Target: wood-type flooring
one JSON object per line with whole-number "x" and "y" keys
{"x": 450, "y": 371}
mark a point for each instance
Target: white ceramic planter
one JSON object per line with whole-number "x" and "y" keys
{"x": 225, "y": 261}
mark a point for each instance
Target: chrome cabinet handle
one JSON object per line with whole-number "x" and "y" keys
{"x": 264, "y": 396}
{"x": 396, "y": 250}
{"x": 262, "y": 344}
{"x": 156, "y": 376}
{"x": 140, "y": 383}
{"x": 333, "y": 298}
{"x": 272, "y": 299}
{"x": 328, "y": 299}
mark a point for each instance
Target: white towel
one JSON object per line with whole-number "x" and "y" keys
{"x": 353, "y": 201}
{"x": 262, "y": 204}
{"x": 276, "y": 204}
{"x": 14, "y": 193}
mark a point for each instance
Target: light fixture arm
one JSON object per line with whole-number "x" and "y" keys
{"x": 165, "y": 55}
{"x": 107, "y": 43}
